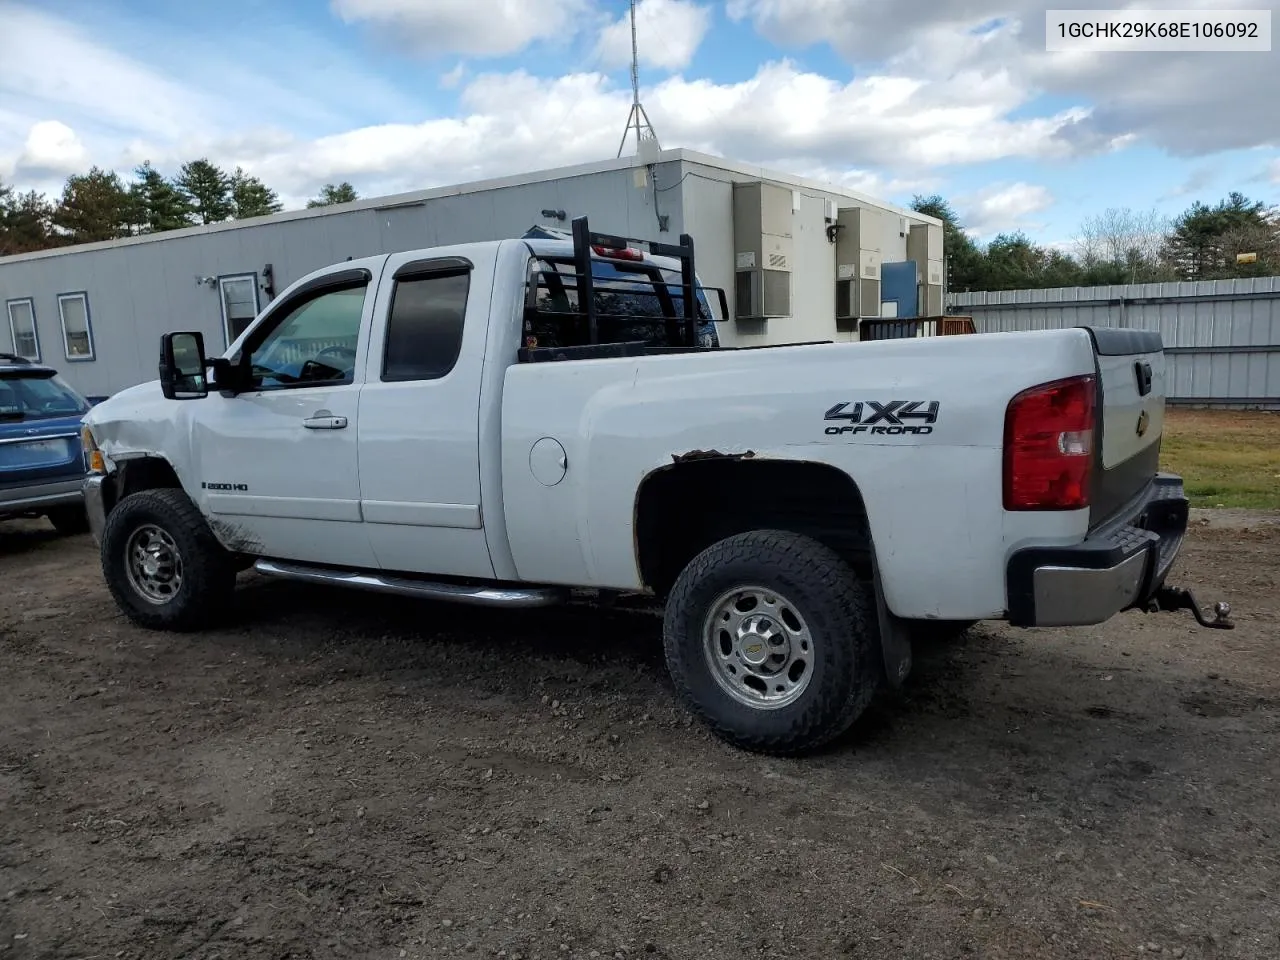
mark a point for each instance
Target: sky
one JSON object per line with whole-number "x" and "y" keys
{"x": 891, "y": 97}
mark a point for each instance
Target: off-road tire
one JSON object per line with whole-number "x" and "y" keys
{"x": 208, "y": 574}
{"x": 838, "y": 609}
{"x": 69, "y": 521}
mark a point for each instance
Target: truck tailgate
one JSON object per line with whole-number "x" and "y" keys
{"x": 1131, "y": 392}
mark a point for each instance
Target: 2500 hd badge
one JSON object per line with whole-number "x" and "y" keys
{"x": 884, "y": 419}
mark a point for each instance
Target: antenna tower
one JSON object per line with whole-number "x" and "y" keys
{"x": 637, "y": 119}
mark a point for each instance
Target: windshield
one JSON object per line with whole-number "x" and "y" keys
{"x": 38, "y": 397}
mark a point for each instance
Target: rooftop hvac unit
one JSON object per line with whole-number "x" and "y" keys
{"x": 858, "y": 258}
{"x": 762, "y": 242}
{"x": 924, "y": 246}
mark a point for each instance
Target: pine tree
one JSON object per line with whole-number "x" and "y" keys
{"x": 250, "y": 197}
{"x": 208, "y": 189}
{"x": 163, "y": 205}
{"x": 1206, "y": 239}
{"x": 6, "y": 201}
{"x": 964, "y": 259}
{"x": 330, "y": 194}
{"x": 30, "y": 222}
{"x": 94, "y": 207}
{"x": 26, "y": 222}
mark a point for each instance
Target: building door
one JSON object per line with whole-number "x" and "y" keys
{"x": 239, "y": 296}
{"x": 276, "y": 465}
{"x": 420, "y": 415}
{"x": 898, "y": 287}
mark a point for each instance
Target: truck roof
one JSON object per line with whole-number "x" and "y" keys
{"x": 12, "y": 363}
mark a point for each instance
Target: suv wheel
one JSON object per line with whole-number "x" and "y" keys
{"x": 771, "y": 640}
{"x": 162, "y": 563}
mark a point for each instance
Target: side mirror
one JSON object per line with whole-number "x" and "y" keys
{"x": 182, "y": 366}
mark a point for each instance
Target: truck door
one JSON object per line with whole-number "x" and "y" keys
{"x": 277, "y": 464}
{"x": 419, "y": 424}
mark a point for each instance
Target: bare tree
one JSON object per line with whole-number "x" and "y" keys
{"x": 1132, "y": 240}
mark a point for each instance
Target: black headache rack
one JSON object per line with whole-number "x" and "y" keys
{"x": 583, "y": 332}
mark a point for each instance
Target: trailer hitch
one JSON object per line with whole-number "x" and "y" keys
{"x": 1175, "y": 598}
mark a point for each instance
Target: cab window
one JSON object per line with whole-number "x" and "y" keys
{"x": 313, "y": 344}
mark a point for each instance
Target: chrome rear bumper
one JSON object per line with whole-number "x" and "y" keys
{"x": 1118, "y": 567}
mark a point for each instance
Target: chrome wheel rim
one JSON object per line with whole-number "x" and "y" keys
{"x": 758, "y": 647}
{"x": 154, "y": 564}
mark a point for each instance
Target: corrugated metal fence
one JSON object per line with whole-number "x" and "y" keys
{"x": 1222, "y": 337}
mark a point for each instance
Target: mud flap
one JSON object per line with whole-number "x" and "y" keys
{"x": 895, "y": 641}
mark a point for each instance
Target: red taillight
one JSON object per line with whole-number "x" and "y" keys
{"x": 618, "y": 253}
{"x": 1048, "y": 446}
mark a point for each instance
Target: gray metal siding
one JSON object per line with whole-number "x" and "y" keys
{"x": 1224, "y": 350}
{"x": 137, "y": 291}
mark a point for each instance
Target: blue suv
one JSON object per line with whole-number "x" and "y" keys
{"x": 42, "y": 465}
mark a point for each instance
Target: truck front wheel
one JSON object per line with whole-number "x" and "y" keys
{"x": 771, "y": 640}
{"x": 162, "y": 563}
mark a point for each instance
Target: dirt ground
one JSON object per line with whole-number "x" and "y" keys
{"x": 346, "y": 775}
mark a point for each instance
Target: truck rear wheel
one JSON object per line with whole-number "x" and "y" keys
{"x": 162, "y": 563}
{"x": 771, "y": 640}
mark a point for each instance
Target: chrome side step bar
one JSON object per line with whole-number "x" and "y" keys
{"x": 484, "y": 596}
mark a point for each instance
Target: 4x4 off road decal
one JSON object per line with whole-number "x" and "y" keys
{"x": 890, "y": 419}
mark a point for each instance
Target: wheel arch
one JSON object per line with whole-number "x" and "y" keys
{"x": 133, "y": 474}
{"x": 683, "y": 507}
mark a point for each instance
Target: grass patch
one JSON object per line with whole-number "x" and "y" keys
{"x": 1226, "y": 458}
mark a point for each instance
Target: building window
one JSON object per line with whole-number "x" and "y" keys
{"x": 424, "y": 330}
{"x": 22, "y": 329}
{"x": 239, "y": 304}
{"x": 77, "y": 333}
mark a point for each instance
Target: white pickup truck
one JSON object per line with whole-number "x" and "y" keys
{"x": 500, "y": 423}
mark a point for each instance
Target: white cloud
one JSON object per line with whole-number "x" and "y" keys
{"x": 668, "y": 34}
{"x": 1185, "y": 103}
{"x": 511, "y": 122}
{"x": 52, "y": 149}
{"x": 1197, "y": 181}
{"x": 1273, "y": 172}
{"x": 781, "y": 117}
{"x": 454, "y": 77}
{"x": 939, "y": 96}
{"x": 118, "y": 92}
{"x": 876, "y": 120}
{"x": 479, "y": 28}
{"x": 1003, "y": 207}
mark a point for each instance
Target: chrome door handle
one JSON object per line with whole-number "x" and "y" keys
{"x": 325, "y": 423}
